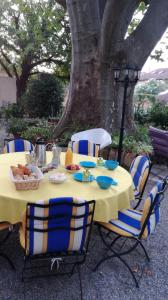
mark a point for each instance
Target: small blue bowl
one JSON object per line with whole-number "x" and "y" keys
{"x": 104, "y": 182}
{"x": 111, "y": 164}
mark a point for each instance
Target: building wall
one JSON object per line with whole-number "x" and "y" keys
{"x": 7, "y": 90}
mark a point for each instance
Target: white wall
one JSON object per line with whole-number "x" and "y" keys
{"x": 7, "y": 90}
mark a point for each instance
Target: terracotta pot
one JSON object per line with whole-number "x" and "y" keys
{"x": 128, "y": 157}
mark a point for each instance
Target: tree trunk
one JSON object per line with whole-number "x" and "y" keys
{"x": 98, "y": 30}
{"x": 21, "y": 85}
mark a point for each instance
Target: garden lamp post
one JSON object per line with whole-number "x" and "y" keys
{"x": 128, "y": 76}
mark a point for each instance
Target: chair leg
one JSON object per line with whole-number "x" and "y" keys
{"x": 9, "y": 261}
{"x": 104, "y": 241}
{"x": 132, "y": 273}
{"x": 124, "y": 262}
{"x": 80, "y": 281}
{"x": 146, "y": 254}
{"x": 102, "y": 261}
{"x": 139, "y": 201}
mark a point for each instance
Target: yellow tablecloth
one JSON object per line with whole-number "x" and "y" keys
{"x": 108, "y": 202}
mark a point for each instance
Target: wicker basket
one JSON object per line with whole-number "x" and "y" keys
{"x": 31, "y": 184}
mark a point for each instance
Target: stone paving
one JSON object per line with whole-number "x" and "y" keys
{"x": 111, "y": 281}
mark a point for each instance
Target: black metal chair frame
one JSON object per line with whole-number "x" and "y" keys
{"x": 139, "y": 198}
{"x": 2, "y": 254}
{"x": 80, "y": 256}
{"x": 137, "y": 240}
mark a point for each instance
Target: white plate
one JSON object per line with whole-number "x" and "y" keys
{"x": 57, "y": 178}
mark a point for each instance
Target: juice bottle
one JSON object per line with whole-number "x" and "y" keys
{"x": 69, "y": 155}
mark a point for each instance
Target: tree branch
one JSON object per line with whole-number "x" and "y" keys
{"x": 116, "y": 19}
{"x": 46, "y": 60}
{"x": 62, "y": 3}
{"x": 148, "y": 32}
{"x": 6, "y": 57}
{"x": 15, "y": 71}
{"x": 5, "y": 68}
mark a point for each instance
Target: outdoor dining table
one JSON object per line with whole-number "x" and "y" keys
{"x": 108, "y": 202}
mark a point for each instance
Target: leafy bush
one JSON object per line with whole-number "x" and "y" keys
{"x": 12, "y": 110}
{"x": 141, "y": 116}
{"x": 137, "y": 142}
{"x": 17, "y": 126}
{"x": 32, "y": 133}
{"x": 159, "y": 116}
{"x": 149, "y": 90}
{"x": 43, "y": 97}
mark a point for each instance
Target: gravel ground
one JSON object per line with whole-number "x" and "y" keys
{"x": 111, "y": 281}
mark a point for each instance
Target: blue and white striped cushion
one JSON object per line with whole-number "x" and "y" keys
{"x": 139, "y": 171}
{"x": 18, "y": 145}
{"x": 86, "y": 148}
{"x": 60, "y": 239}
{"x": 128, "y": 221}
{"x": 155, "y": 216}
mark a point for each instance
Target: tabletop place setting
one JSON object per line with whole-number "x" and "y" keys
{"x": 30, "y": 175}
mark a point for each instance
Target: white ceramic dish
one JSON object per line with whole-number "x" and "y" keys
{"x": 57, "y": 178}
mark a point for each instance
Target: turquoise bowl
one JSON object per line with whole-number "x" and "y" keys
{"x": 111, "y": 164}
{"x": 104, "y": 182}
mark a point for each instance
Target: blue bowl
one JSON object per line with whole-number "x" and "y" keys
{"x": 111, "y": 164}
{"x": 104, "y": 182}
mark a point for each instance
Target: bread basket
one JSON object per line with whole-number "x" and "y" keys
{"x": 28, "y": 184}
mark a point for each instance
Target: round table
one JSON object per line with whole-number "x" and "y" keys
{"x": 108, "y": 202}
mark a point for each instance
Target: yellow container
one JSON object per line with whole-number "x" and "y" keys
{"x": 69, "y": 156}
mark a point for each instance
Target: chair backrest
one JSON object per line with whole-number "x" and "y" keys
{"x": 96, "y": 135}
{"x": 86, "y": 148}
{"x": 151, "y": 209}
{"x": 18, "y": 145}
{"x": 58, "y": 225}
{"x": 139, "y": 170}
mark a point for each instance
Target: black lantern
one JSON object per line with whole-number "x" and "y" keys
{"x": 128, "y": 76}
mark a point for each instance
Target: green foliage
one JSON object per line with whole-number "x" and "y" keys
{"x": 159, "y": 116}
{"x": 32, "y": 133}
{"x": 17, "y": 126}
{"x": 27, "y": 129}
{"x": 33, "y": 33}
{"x": 145, "y": 98}
{"x": 148, "y": 91}
{"x": 137, "y": 142}
{"x": 11, "y": 111}
{"x": 43, "y": 97}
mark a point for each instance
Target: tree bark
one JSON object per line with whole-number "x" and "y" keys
{"x": 98, "y": 30}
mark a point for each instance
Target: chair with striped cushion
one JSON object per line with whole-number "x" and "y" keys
{"x": 134, "y": 225}
{"x": 18, "y": 145}
{"x": 57, "y": 229}
{"x": 6, "y": 228}
{"x": 86, "y": 147}
{"x": 139, "y": 170}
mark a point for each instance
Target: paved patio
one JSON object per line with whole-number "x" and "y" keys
{"x": 111, "y": 281}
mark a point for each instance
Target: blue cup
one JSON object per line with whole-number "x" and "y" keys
{"x": 111, "y": 164}
{"x": 104, "y": 182}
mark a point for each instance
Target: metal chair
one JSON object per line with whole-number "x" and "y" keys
{"x": 133, "y": 225}
{"x": 86, "y": 148}
{"x": 18, "y": 145}
{"x": 57, "y": 230}
{"x": 96, "y": 135}
{"x": 140, "y": 170}
{"x": 7, "y": 228}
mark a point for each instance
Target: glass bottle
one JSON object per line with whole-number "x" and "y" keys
{"x": 69, "y": 155}
{"x": 56, "y": 151}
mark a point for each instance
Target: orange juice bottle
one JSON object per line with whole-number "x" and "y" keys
{"x": 69, "y": 155}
